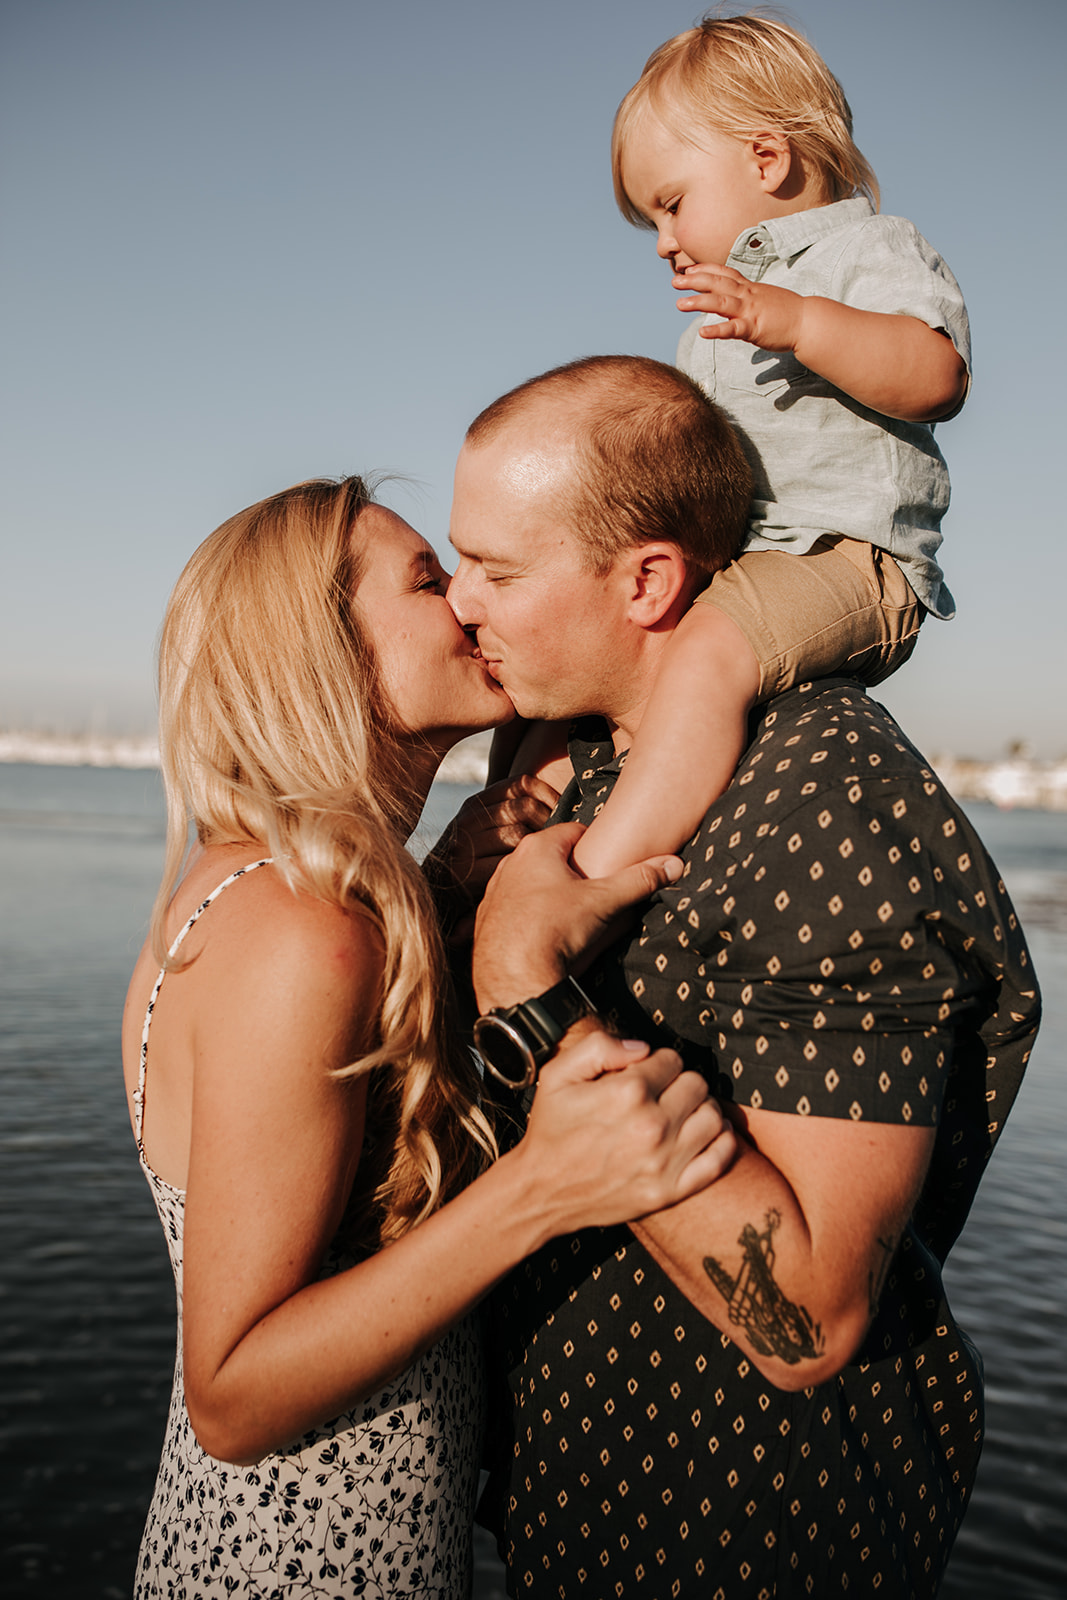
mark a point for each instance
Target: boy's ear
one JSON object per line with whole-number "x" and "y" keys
{"x": 658, "y": 582}
{"x": 773, "y": 155}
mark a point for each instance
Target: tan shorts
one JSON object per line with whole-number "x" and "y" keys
{"x": 842, "y": 606}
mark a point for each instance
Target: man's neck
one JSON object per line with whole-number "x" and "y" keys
{"x": 631, "y": 697}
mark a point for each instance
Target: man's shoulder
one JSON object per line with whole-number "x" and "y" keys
{"x": 828, "y": 708}
{"x": 828, "y": 786}
{"x": 823, "y": 734}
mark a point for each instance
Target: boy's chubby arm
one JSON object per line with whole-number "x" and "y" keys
{"x": 897, "y": 365}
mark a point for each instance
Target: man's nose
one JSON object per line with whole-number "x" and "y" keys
{"x": 460, "y": 594}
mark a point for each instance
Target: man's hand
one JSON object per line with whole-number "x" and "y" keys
{"x": 540, "y": 915}
{"x": 759, "y": 313}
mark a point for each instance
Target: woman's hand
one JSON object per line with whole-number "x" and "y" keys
{"x": 539, "y": 915}
{"x": 486, "y": 828}
{"x": 617, "y": 1132}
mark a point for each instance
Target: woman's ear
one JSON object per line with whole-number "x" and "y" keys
{"x": 658, "y": 582}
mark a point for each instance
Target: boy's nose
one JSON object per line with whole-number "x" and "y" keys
{"x": 666, "y": 246}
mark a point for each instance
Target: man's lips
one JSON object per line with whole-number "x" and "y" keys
{"x": 491, "y": 666}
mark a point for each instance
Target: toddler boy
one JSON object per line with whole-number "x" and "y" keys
{"x": 834, "y": 338}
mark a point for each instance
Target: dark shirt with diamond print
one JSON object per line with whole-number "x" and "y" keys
{"x": 840, "y": 945}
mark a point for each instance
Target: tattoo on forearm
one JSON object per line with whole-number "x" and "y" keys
{"x": 876, "y": 1279}
{"x": 773, "y": 1325}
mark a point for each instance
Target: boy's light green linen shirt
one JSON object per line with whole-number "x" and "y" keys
{"x": 822, "y": 462}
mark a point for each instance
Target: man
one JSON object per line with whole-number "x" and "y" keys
{"x": 761, "y": 1391}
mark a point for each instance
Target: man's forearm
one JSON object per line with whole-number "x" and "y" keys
{"x": 790, "y": 1270}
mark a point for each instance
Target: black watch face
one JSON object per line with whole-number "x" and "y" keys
{"x": 509, "y": 1061}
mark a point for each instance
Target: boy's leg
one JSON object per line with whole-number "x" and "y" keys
{"x": 844, "y": 606}
{"x": 771, "y": 620}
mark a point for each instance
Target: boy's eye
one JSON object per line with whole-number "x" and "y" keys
{"x": 671, "y": 208}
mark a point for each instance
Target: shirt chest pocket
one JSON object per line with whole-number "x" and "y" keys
{"x": 765, "y": 378}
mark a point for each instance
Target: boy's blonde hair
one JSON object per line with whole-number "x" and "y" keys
{"x": 739, "y": 76}
{"x": 274, "y": 731}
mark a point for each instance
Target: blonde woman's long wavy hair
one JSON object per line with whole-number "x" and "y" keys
{"x": 274, "y": 730}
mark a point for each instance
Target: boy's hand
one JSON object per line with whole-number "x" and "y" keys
{"x": 486, "y": 828}
{"x": 759, "y": 313}
{"x": 889, "y": 362}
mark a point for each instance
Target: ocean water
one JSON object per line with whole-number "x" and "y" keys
{"x": 86, "y": 1298}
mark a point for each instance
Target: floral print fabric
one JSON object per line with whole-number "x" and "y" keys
{"x": 378, "y": 1502}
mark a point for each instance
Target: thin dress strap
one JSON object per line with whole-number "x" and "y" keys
{"x": 138, "y": 1098}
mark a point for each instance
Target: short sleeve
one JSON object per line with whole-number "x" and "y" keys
{"x": 840, "y": 945}
{"x": 887, "y": 265}
{"x": 809, "y": 966}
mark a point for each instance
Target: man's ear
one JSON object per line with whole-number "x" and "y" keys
{"x": 773, "y": 157}
{"x": 658, "y": 583}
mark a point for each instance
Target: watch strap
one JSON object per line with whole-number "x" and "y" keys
{"x": 529, "y": 1032}
{"x": 552, "y": 1013}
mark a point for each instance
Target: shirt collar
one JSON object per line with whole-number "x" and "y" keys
{"x": 592, "y": 750}
{"x": 785, "y": 237}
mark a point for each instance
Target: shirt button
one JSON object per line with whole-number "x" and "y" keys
{"x": 755, "y": 243}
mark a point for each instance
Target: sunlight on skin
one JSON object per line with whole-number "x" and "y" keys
{"x": 536, "y": 473}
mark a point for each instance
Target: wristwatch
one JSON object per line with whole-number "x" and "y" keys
{"x": 514, "y": 1041}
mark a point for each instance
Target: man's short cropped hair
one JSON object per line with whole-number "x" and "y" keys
{"x": 740, "y": 76}
{"x": 656, "y": 459}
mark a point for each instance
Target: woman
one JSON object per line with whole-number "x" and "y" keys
{"x": 310, "y": 1131}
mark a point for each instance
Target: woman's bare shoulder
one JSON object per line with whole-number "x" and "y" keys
{"x": 265, "y": 908}
{"x": 276, "y": 992}
{"x": 275, "y": 956}
{"x": 279, "y": 944}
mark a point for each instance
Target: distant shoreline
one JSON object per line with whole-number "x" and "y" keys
{"x": 466, "y": 764}
{"x": 1014, "y": 781}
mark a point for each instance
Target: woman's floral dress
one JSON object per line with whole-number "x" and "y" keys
{"x": 378, "y": 1502}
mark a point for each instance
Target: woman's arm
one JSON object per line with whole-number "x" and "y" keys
{"x": 271, "y": 1351}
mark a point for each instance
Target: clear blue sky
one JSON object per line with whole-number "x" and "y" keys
{"x": 249, "y": 241}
